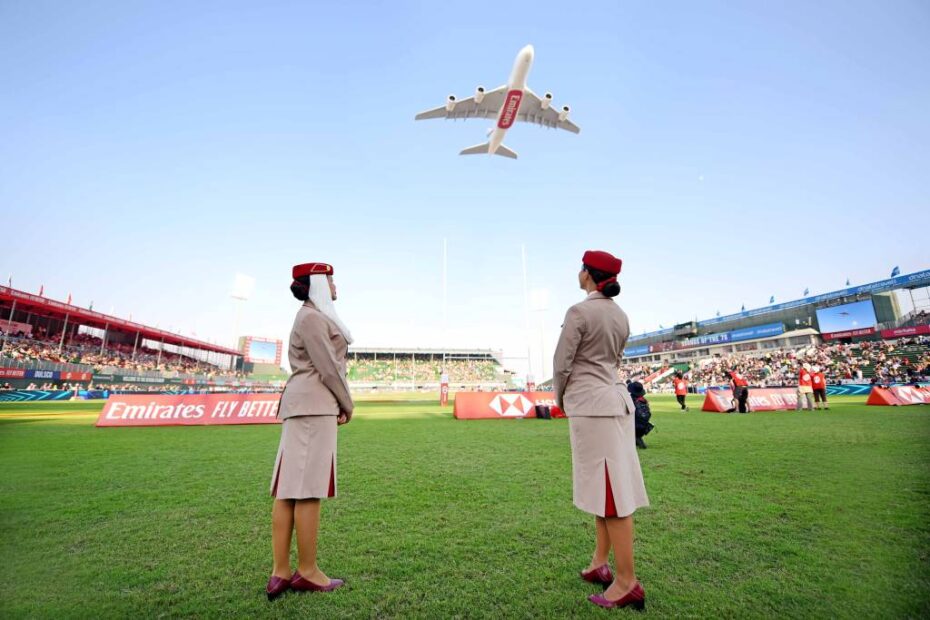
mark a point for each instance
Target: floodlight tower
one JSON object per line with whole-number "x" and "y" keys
{"x": 242, "y": 289}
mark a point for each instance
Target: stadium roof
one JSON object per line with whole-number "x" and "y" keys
{"x": 911, "y": 280}
{"x": 59, "y": 310}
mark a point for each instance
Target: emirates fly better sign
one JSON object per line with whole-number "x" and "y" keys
{"x": 189, "y": 409}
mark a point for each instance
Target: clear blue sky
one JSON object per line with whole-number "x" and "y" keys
{"x": 729, "y": 151}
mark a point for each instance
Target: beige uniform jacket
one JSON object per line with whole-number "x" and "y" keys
{"x": 586, "y": 360}
{"x": 317, "y": 352}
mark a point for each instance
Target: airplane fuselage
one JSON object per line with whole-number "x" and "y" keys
{"x": 514, "y": 97}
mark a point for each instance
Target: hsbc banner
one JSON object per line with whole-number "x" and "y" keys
{"x": 899, "y": 395}
{"x": 501, "y": 405}
{"x": 189, "y": 409}
{"x": 760, "y": 399}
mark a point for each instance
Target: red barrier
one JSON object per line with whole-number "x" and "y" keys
{"x": 499, "y": 405}
{"x": 899, "y": 395}
{"x": 760, "y": 399}
{"x": 189, "y": 409}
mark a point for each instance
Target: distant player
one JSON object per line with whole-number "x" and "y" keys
{"x": 819, "y": 383}
{"x": 740, "y": 388}
{"x": 681, "y": 389}
{"x": 805, "y": 387}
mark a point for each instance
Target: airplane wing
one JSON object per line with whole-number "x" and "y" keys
{"x": 468, "y": 108}
{"x": 532, "y": 111}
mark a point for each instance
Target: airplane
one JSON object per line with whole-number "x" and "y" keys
{"x": 509, "y": 103}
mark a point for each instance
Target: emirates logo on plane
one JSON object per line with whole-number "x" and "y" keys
{"x": 510, "y": 108}
{"x": 511, "y": 405}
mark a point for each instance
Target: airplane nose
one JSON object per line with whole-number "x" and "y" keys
{"x": 527, "y": 52}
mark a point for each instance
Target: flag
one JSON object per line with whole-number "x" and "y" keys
{"x": 69, "y": 299}
{"x": 806, "y": 291}
{"x": 772, "y": 299}
{"x": 661, "y": 326}
{"x": 718, "y": 312}
{"x": 91, "y": 306}
{"x": 42, "y": 291}
{"x": 895, "y": 271}
{"x": 743, "y": 308}
{"x": 847, "y": 281}
{"x": 9, "y": 281}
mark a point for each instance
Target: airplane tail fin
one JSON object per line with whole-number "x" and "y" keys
{"x": 483, "y": 148}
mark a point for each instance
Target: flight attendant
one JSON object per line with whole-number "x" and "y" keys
{"x": 681, "y": 389}
{"x": 315, "y": 401}
{"x": 606, "y": 477}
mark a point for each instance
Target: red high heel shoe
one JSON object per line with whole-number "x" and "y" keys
{"x": 276, "y": 587}
{"x": 635, "y": 598}
{"x": 600, "y": 575}
{"x": 302, "y": 585}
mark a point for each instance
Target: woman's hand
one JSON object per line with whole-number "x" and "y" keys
{"x": 343, "y": 417}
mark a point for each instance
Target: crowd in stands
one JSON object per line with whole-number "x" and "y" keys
{"x": 406, "y": 370}
{"x": 85, "y": 349}
{"x": 883, "y": 361}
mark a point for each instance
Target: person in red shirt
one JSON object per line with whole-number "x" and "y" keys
{"x": 681, "y": 389}
{"x": 740, "y": 388}
{"x": 819, "y": 383}
{"x": 805, "y": 387}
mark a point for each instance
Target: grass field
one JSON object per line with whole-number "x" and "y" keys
{"x": 770, "y": 514}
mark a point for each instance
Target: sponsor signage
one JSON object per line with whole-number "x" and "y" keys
{"x": 899, "y": 395}
{"x": 189, "y": 409}
{"x": 510, "y": 108}
{"x": 760, "y": 399}
{"x": 748, "y": 333}
{"x": 501, "y": 405}
{"x": 44, "y": 375}
{"x": 916, "y": 330}
{"x": 849, "y": 333}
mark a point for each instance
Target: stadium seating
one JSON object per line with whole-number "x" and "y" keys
{"x": 887, "y": 361}
{"x": 406, "y": 370}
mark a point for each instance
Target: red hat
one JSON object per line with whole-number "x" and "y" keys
{"x": 602, "y": 261}
{"x": 312, "y": 269}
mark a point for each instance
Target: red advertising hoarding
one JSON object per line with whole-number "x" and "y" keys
{"x": 502, "y": 405}
{"x": 915, "y": 330}
{"x": 189, "y": 409}
{"x": 760, "y": 399}
{"x": 899, "y": 395}
{"x": 851, "y": 333}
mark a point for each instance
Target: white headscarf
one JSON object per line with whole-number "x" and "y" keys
{"x": 321, "y": 297}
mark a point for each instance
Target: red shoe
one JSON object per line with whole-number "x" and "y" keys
{"x": 276, "y": 587}
{"x": 600, "y": 575}
{"x": 635, "y": 598}
{"x": 302, "y": 585}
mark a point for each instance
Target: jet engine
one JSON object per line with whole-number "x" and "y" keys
{"x": 479, "y": 94}
{"x": 546, "y": 100}
{"x": 563, "y": 115}
{"x": 450, "y": 103}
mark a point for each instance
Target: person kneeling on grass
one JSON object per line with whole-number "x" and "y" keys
{"x": 642, "y": 414}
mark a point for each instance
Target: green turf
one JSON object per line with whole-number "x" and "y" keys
{"x": 770, "y": 514}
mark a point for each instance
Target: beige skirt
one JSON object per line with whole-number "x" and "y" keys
{"x": 306, "y": 463}
{"x": 606, "y": 477}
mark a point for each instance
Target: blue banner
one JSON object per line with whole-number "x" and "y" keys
{"x": 749, "y": 333}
